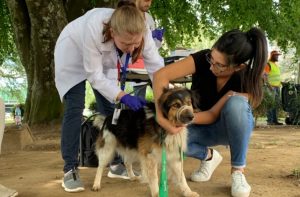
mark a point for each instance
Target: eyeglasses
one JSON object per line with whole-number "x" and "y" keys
{"x": 219, "y": 66}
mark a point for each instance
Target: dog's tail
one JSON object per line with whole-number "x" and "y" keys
{"x": 100, "y": 122}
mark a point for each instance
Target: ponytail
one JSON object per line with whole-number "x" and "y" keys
{"x": 255, "y": 68}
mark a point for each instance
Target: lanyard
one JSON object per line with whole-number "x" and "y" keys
{"x": 123, "y": 67}
{"x": 122, "y": 79}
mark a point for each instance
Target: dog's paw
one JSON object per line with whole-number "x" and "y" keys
{"x": 96, "y": 188}
{"x": 192, "y": 194}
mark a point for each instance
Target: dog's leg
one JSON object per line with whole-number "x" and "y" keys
{"x": 129, "y": 170}
{"x": 150, "y": 168}
{"x": 144, "y": 178}
{"x": 105, "y": 154}
{"x": 175, "y": 167}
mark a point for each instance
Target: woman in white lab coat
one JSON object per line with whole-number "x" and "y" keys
{"x": 95, "y": 47}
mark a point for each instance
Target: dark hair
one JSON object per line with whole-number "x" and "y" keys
{"x": 249, "y": 48}
{"x": 126, "y": 19}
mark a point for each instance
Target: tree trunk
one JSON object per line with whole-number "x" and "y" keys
{"x": 37, "y": 25}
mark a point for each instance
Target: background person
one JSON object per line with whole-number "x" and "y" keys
{"x": 95, "y": 47}
{"x": 157, "y": 35}
{"x": 235, "y": 62}
{"x": 273, "y": 82}
{"x": 18, "y": 116}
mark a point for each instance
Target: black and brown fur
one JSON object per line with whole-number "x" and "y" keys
{"x": 138, "y": 137}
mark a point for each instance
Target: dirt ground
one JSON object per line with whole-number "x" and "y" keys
{"x": 36, "y": 170}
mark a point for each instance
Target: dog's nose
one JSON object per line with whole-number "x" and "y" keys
{"x": 186, "y": 116}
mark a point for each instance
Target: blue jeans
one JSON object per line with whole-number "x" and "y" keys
{"x": 73, "y": 108}
{"x": 233, "y": 128}
{"x": 272, "y": 113}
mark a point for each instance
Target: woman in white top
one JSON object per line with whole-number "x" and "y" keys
{"x": 95, "y": 47}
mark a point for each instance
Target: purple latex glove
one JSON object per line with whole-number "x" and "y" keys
{"x": 158, "y": 34}
{"x": 133, "y": 102}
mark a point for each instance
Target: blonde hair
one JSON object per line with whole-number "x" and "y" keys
{"x": 126, "y": 19}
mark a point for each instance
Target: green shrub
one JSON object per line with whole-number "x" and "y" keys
{"x": 267, "y": 103}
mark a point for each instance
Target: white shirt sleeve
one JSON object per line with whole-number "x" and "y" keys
{"x": 150, "y": 21}
{"x": 93, "y": 61}
{"x": 151, "y": 24}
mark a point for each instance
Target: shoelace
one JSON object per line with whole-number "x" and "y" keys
{"x": 204, "y": 168}
{"x": 74, "y": 175}
{"x": 239, "y": 178}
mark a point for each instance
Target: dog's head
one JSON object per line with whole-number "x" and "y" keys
{"x": 177, "y": 105}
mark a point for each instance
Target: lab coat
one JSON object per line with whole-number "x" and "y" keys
{"x": 80, "y": 54}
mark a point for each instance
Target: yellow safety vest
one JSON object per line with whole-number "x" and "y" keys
{"x": 274, "y": 75}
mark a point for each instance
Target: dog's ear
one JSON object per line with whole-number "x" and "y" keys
{"x": 195, "y": 100}
{"x": 162, "y": 101}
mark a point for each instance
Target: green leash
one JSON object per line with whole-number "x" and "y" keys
{"x": 163, "y": 184}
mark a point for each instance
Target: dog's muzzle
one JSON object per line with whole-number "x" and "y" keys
{"x": 185, "y": 114}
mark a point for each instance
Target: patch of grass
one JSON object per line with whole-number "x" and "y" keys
{"x": 296, "y": 173}
{"x": 9, "y": 120}
{"x": 149, "y": 94}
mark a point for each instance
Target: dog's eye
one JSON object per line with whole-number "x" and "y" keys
{"x": 176, "y": 105}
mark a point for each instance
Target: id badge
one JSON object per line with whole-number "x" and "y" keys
{"x": 116, "y": 116}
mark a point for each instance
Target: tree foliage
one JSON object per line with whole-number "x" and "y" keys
{"x": 187, "y": 19}
{"x": 7, "y": 49}
{"x": 12, "y": 74}
{"x": 30, "y": 28}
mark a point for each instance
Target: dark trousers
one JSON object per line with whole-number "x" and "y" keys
{"x": 272, "y": 112}
{"x": 74, "y": 101}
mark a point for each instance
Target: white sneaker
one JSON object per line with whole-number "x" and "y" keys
{"x": 7, "y": 192}
{"x": 207, "y": 168}
{"x": 239, "y": 185}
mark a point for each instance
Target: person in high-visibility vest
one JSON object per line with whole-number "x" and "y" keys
{"x": 273, "y": 81}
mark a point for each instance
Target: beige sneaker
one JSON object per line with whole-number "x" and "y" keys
{"x": 239, "y": 185}
{"x": 207, "y": 168}
{"x": 7, "y": 192}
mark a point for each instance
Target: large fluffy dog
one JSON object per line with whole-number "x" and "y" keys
{"x": 137, "y": 136}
